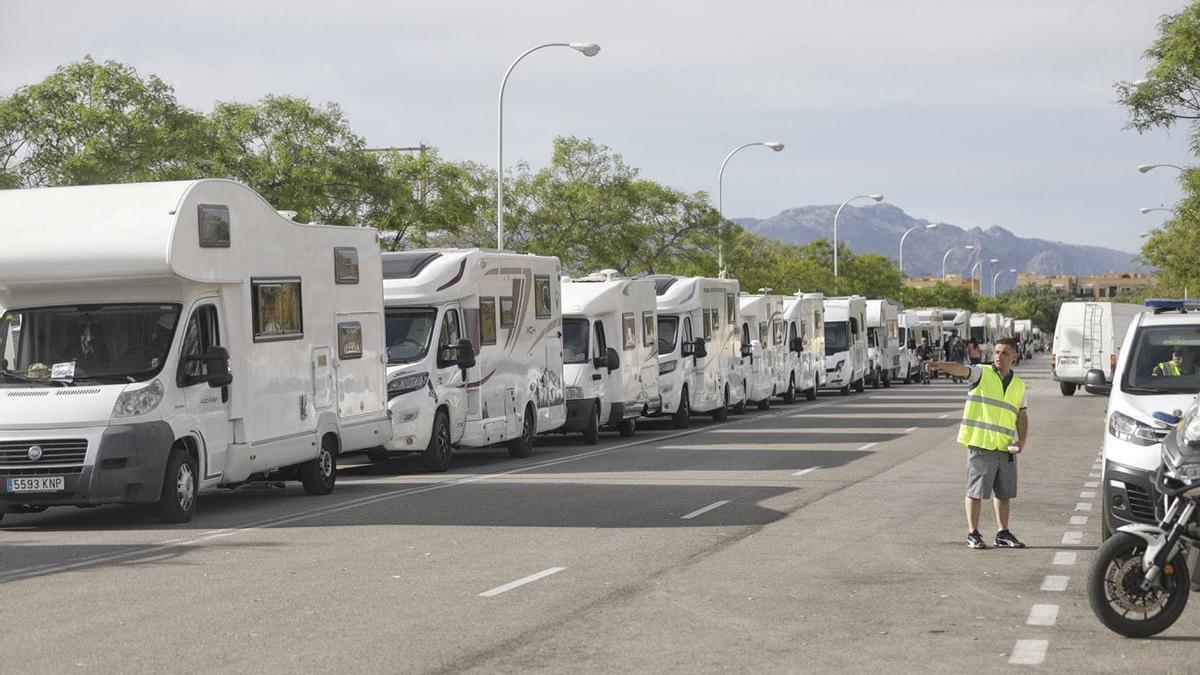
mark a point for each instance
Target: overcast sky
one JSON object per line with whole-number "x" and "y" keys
{"x": 962, "y": 112}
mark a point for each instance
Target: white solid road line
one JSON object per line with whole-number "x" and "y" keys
{"x": 806, "y": 471}
{"x": 1079, "y": 520}
{"x": 710, "y": 507}
{"x": 1029, "y": 652}
{"x": 521, "y": 582}
{"x": 910, "y": 430}
{"x": 1055, "y": 582}
{"x": 1072, "y": 538}
{"x": 1064, "y": 558}
{"x": 868, "y": 446}
{"x": 1042, "y": 615}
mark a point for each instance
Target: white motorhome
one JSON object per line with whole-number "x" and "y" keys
{"x": 956, "y": 322}
{"x": 883, "y": 341}
{"x": 699, "y": 351}
{"x": 1088, "y": 335}
{"x": 494, "y": 374}
{"x": 1023, "y": 331}
{"x": 982, "y": 334}
{"x": 762, "y": 327}
{"x": 610, "y": 353}
{"x": 804, "y": 365}
{"x": 929, "y": 327}
{"x": 845, "y": 343}
{"x": 910, "y": 365}
{"x": 177, "y": 337}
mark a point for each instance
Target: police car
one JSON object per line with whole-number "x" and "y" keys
{"x": 1158, "y": 370}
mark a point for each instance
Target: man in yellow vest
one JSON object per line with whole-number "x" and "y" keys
{"x": 995, "y": 427}
{"x": 1170, "y": 368}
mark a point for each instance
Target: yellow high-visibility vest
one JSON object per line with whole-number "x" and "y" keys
{"x": 990, "y": 416}
{"x": 1167, "y": 369}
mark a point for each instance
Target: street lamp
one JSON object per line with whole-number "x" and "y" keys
{"x": 585, "y": 48}
{"x": 877, "y": 197}
{"x": 1143, "y": 168}
{"x": 774, "y": 145}
{"x": 930, "y": 226}
{"x": 978, "y": 266}
{"x": 1150, "y": 209}
{"x": 969, "y": 247}
{"x": 997, "y": 276}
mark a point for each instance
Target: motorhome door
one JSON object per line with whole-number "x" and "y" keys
{"x": 208, "y": 407}
{"x": 449, "y": 375}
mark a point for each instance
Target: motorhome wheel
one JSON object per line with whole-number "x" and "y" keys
{"x": 591, "y": 435}
{"x": 845, "y": 391}
{"x": 764, "y": 404}
{"x": 177, "y": 504}
{"x": 739, "y": 408}
{"x": 877, "y": 379}
{"x": 859, "y": 386}
{"x": 721, "y": 413}
{"x": 437, "y": 455}
{"x": 627, "y": 427}
{"x": 811, "y": 394}
{"x": 789, "y": 396}
{"x": 887, "y": 380}
{"x": 522, "y": 446}
{"x": 682, "y": 417}
{"x": 319, "y": 474}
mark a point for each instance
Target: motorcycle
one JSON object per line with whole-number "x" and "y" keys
{"x": 1138, "y": 583}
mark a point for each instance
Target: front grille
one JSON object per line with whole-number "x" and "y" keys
{"x": 57, "y": 451}
{"x": 43, "y": 471}
{"x": 1141, "y": 504}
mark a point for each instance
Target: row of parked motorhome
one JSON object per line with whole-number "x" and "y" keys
{"x": 187, "y": 337}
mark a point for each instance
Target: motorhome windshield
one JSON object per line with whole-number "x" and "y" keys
{"x": 837, "y": 337}
{"x": 575, "y": 340}
{"x": 408, "y": 333}
{"x": 116, "y": 343}
{"x": 977, "y": 333}
{"x": 668, "y": 330}
{"x": 1164, "y": 360}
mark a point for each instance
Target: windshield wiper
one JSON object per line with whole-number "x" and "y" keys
{"x": 1148, "y": 390}
{"x": 9, "y": 375}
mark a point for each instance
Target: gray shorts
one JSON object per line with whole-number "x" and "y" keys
{"x": 990, "y": 473}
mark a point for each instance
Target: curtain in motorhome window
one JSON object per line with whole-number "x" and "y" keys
{"x": 487, "y": 321}
{"x": 213, "y": 222}
{"x": 345, "y": 265}
{"x": 542, "y": 302}
{"x": 648, "y": 329}
{"x": 776, "y": 332}
{"x": 628, "y": 331}
{"x": 350, "y": 344}
{"x": 277, "y": 309}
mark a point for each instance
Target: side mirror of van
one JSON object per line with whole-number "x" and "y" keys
{"x": 797, "y": 345}
{"x": 699, "y": 350}
{"x": 1094, "y": 383}
{"x": 612, "y": 360}
{"x": 466, "y": 354}
{"x": 218, "y": 367}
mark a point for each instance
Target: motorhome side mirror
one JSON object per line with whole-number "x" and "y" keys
{"x": 797, "y": 345}
{"x": 700, "y": 350}
{"x": 466, "y": 354}
{"x": 747, "y": 350}
{"x": 612, "y": 360}
{"x": 912, "y": 344}
{"x": 217, "y": 359}
{"x": 1095, "y": 383}
{"x": 687, "y": 349}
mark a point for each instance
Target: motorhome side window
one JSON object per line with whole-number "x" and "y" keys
{"x": 707, "y": 320}
{"x": 487, "y": 320}
{"x": 730, "y": 309}
{"x": 345, "y": 265}
{"x": 200, "y": 334}
{"x": 278, "y": 309}
{"x": 213, "y": 222}
{"x": 762, "y": 333}
{"x": 350, "y": 344}
{"x": 648, "y": 329}
{"x": 628, "y": 331}
{"x": 542, "y": 302}
{"x": 508, "y": 315}
{"x": 601, "y": 348}
{"x": 777, "y": 332}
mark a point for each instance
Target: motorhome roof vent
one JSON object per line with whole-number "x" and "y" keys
{"x": 602, "y": 275}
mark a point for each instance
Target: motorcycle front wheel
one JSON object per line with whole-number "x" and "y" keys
{"x": 1114, "y": 589}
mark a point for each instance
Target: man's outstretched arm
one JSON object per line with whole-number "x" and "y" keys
{"x": 950, "y": 368}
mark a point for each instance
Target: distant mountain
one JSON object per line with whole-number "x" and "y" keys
{"x": 877, "y": 229}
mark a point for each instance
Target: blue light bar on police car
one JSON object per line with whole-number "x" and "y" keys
{"x": 1166, "y": 305}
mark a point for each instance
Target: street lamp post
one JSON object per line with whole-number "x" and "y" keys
{"x": 585, "y": 48}
{"x": 997, "y": 276}
{"x": 877, "y": 197}
{"x": 969, "y": 247}
{"x": 979, "y": 266}
{"x": 930, "y": 226}
{"x": 1144, "y": 168}
{"x": 1151, "y": 209}
{"x": 774, "y": 145}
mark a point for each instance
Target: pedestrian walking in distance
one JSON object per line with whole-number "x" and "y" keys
{"x": 995, "y": 428}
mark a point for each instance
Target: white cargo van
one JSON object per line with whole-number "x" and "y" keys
{"x": 910, "y": 365}
{"x": 180, "y": 336}
{"x": 1144, "y": 382}
{"x": 883, "y": 341}
{"x": 699, "y": 350}
{"x": 845, "y": 343}
{"x": 804, "y": 365}
{"x": 494, "y": 374}
{"x": 1088, "y": 335}
{"x": 610, "y": 353}
{"x": 761, "y": 318}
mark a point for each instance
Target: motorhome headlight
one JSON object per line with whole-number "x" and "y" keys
{"x": 408, "y": 382}
{"x": 1130, "y": 430}
{"x": 573, "y": 393}
{"x": 136, "y": 402}
{"x": 667, "y": 367}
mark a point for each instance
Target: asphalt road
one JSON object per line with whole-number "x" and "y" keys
{"x": 813, "y": 537}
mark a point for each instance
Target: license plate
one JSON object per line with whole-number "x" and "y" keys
{"x": 37, "y": 484}
{"x": 1068, "y": 359}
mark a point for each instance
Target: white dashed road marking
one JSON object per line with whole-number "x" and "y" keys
{"x": 521, "y": 582}
{"x": 1064, "y": 558}
{"x": 805, "y": 471}
{"x": 1091, "y": 484}
{"x": 1083, "y": 506}
{"x": 1029, "y": 652}
{"x": 1072, "y": 537}
{"x": 1042, "y": 615}
{"x": 710, "y": 507}
{"x": 1079, "y": 520}
{"x": 1055, "y": 582}
{"x": 1087, "y": 494}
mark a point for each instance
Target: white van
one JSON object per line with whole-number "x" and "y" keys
{"x": 956, "y": 322}
{"x": 910, "y": 365}
{"x": 929, "y": 327}
{"x": 762, "y": 327}
{"x": 495, "y": 373}
{"x": 804, "y": 364}
{"x": 177, "y": 337}
{"x": 883, "y": 341}
{"x": 845, "y": 343}
{"x": 699, "y": 350}
{"x": 1141, "y": 385}
{"x": 982, "y": 334}
{"x": 1088, "y": 335}
{"x": 610, "y": 353}
{"x": 1023, "y": 332}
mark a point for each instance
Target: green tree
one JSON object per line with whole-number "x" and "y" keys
{"x": 940, "y": 294}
